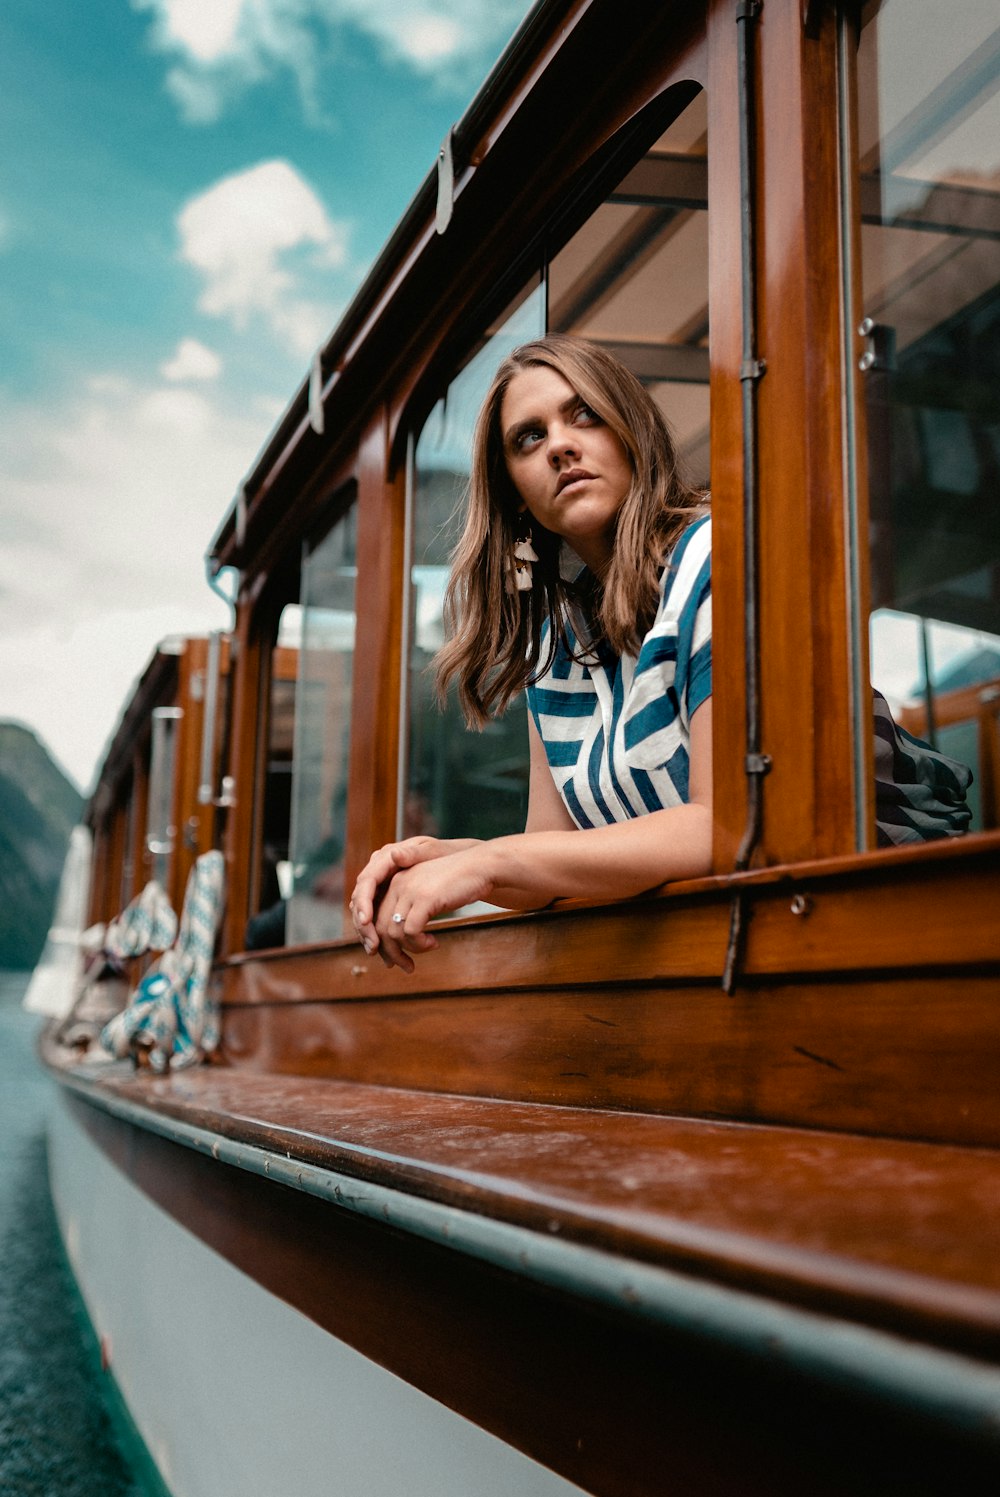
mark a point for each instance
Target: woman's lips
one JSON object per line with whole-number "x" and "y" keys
{"x": 571, "y": 477}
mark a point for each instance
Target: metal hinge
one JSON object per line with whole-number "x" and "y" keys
{"x": 748, "y": 10}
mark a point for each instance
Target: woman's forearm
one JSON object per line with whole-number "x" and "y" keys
{"x": 611, "y": 862}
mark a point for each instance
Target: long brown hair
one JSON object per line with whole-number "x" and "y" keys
{"x": 495, "y": 634}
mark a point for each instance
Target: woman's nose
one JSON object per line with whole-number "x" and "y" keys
{"x": 562, "y": 444}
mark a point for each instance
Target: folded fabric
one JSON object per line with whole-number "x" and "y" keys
{"x": 170, "y": 1016}
{"x": 147, "y": 924}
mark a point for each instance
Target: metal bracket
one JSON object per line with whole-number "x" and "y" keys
{"x": 227, "y": 798}
{"x": 316, "y": 417}
{"x": 739, "y": 917}
{"x": 748, "y": 10}
{"x": 446, "y": 183}
{"x": 753, "y": 369}
{"x": 880, "y": 355}
{"x": 757, "y": 764}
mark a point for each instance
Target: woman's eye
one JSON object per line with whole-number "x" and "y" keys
{"x": 585, "y": 416}
{"x": 529, "y": 438}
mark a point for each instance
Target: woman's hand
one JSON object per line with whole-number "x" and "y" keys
{"x": 373, "y": 880}
{"x": 416, "y": 895}
{"x": 424, "y": 877}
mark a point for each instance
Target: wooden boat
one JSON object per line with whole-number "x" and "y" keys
{"x": 694, "y": 1193}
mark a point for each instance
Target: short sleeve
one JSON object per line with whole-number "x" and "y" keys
{"x": 694, "y": 627}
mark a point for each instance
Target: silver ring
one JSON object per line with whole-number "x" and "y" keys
{"x": 397, "y": 918}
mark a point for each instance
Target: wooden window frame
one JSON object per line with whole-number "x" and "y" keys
{"x": 803, "y": 410}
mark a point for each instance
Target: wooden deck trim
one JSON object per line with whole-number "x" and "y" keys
{"x": 828, "y": 1224}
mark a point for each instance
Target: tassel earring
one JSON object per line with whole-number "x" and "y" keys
{"x": 521, "y": 575}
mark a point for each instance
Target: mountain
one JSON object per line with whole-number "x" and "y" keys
{"x": 38, "y": 808}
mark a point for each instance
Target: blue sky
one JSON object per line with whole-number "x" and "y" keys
{"x": 190, "y": 192}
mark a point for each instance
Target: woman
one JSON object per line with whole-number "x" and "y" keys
{"x": 617, "y": 661}
{"x": 570, "y": 449}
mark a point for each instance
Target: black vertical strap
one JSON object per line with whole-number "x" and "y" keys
{"x": 752, "y": 368}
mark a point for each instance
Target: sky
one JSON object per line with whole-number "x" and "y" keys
{"x": 190, "y": 193}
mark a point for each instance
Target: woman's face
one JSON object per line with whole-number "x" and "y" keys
{"x": 571, "y": 470}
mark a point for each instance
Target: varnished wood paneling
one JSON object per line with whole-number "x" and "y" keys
{"x": 245, "y": 668}
{"x": 805, "y": 676}
{"x": 376, "y": 686}
{"x": 725, "y": 347}
{"x": 869, "y": 1002}
{"x": 140, "y": 802}
{"x": 905, "y": 1059}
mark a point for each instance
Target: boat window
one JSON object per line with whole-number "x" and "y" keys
{"x": 457, "y": 783}
{"x": 635, "y": 278}
{"x": 929, "y": 143}
{"x": 267, "y": 928}
{"x": 314, "y": 712}
{"x": 161, "y": 832}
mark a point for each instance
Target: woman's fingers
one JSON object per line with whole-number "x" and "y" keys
{"x": 366, "y": 897}
{"x": 391, "y": 936}
{"x": 400, "y": 928}
{"x": 370, "y": 887}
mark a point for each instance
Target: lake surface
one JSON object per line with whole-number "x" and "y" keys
{"x": 56, "y": 1439}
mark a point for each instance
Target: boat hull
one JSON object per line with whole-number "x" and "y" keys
{"x": 234, "y": 1391}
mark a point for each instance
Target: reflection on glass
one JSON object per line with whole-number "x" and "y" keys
{"x": 635, "y": 278}
{"x": 929, "y": 139}
{"x": 161, "y": 833}
{"x": 322, "y": 737}
{"x": 458, "y": 784}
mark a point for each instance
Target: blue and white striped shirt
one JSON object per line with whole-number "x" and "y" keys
{"x": 616, "y": 730}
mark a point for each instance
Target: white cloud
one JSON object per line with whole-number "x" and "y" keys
{"x": 191, "y": 360}
{"x": 427, "y": 40}
{"x": 207, "y": 32}
{"x": 220, "y": 48}
{"x": 107, "y": 509}
{"x": 199, "y": 97}
{"x": 241, "y": 235}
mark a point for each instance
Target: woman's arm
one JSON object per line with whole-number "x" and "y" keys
{"x": 553, "y": 859}
{"x": 546, "y": 812}
{"x": 546, "y": 808}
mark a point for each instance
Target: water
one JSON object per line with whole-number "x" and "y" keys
{"x": 56, "y": 1438}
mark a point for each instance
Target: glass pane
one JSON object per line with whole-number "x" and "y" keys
{"x": 276, "y": 807}
{"x": 458, "y": 784}
{"x": 160, "y": 830}
{"x": 929, "y": 139}
{"x": 322, "y": 708}
{"x": 635, "y": 278}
